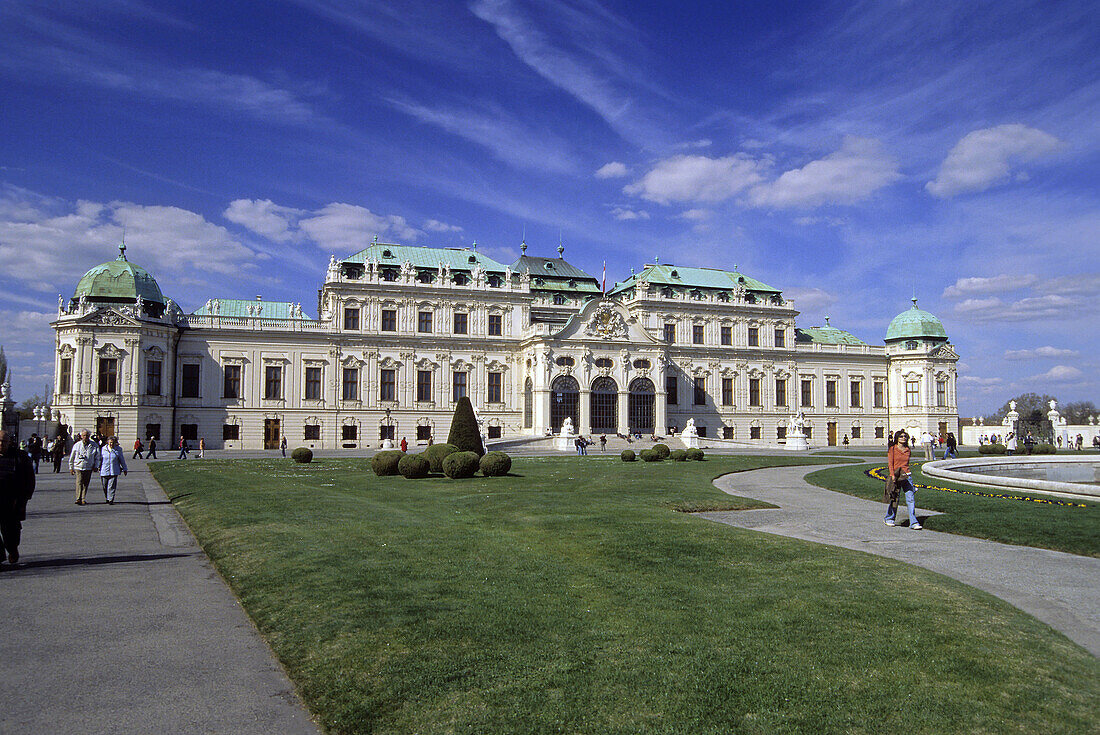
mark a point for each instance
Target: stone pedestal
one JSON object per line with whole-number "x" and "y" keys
{"x": 690, "y": 441}
{"x": 387, "y": 443}
{"x": 796, "y": 443}
{"x": 564, "y": 442}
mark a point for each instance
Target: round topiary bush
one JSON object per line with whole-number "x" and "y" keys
{"x": 1045, "y": 449}
{"x": 627, "y": 455}
{"x": 413, "y": 466}
{"x": 678, "y": 455}
{"x": 436, "y": 453}
{"x": 495, "y": 464}
{"x": 385, "y": 463}
{"x": 984, "y": 449}
{"x": 695, "y": 455}
{"x": 997, "y": 449}
{"x": 662, "y": 449}
{"x": 649, "y": 455}
{"x": 302, "y": 455}
{"x": 461, "y": 464}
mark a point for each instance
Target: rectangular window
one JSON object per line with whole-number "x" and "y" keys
{"x": 857, "y": 432}
{"x": 496, "y": 325}
{"x": 190, "y": 432}
{"x": 231, "y": 432}
{"x": 807, "y": 392}
{"x": 754, "y": 337}
{"x": 941, "y": 392}
{"x": 423, "y": 385}
{"x": 727, "y": 432}
{"x": 495, "y": 382}
{"x": 189, "y": 381}
{"x": 857, "y": 394}
{"x": 780, "y": 392}
{"x": 349, "y": 384}
{"x": 780, "y": 338}
{"x": 351, "y": 318}
{"x": 670, "y": 390}
{"x": 697, "y": 334}
{"x": 880, "y": 432}
{"x": 458, "y": 385}
{"x": 754, "y": 432}
{"x": 231, "y": 381}
{"x": 781, "y": 432}
{"x": 670, "y": 333}
{"x": 273, "y": 382}
{"x": 313, "y": 383}
{"x": 701, "y": 431}
{"x": 349, "y": 433}
{"x": 808, "y": 431}
{"x": 387, "y": 386}
{"x": 460, "y": 323}
{"x": 700, "y": 391}
{"x": 754, "y": 392}
{"x": 389, "y": 320}
{"x": 727, "y": 391}
{"x": 727, "y": 335}
{"x": 65, "y": 376}
{"x": 311, "y": 433}
{"x": 423, "y": 433}
{"x": 912, "y": 393}
{"x": 495, "y": 432}
{"x": 108, "y": 375}
{"x": 830, "y": 393}
{"x": 880, "y": 394}
{"x": 153, "y": 371}
{"x": 386, "y": 432}
{"x": 424, "y": 322}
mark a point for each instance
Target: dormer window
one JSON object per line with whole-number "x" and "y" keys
{"x": 387, "y": 253}
{"x": 559, "y": 300}
{"x": 461, "y": 279}
{"x": 750, "y": 298}
{"x": 472, "y": 259}
{"x": 697, "y": 294}
{"x": 572, "y": 284}
{"x": 495, "y": 281}
{"x": 548, "y": 265}
{"x": 723, "y": 296}
{"x": 389, "y": 274}
{"x": 675, "y": 274}
{"x": 539, "y": 282}
{"x": 425, "y": 276}
{"x": 668, "y": 293}
{"x": 912, "y": 344}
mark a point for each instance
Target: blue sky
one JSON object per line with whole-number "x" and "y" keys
{"x": 848, "y": 153}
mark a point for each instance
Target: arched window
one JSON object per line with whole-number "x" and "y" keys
{"x": 603, "y": 411}
{"x": 642, "y": 396}
{"x": 528, "y": 404}
{"x": 564, "y": 392}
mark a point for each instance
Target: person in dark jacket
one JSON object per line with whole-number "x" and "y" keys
{"x": 16, "y": 488}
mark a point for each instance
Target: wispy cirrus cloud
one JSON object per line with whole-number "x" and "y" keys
{"x": 976, "y": 286}
{"x": 1038, "y": 353}
{"x": 986, "y": 157}
{"x": 335, "y": 227}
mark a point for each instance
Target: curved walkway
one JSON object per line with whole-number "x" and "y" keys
{"x": 1062, "y": 590}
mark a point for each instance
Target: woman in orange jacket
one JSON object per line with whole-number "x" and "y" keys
{"x": 897, "y": 457}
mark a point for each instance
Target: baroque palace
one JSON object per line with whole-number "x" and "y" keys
{"x": 404, "y": 331}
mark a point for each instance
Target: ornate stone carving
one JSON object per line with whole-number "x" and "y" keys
{"x": 606, "y": 323}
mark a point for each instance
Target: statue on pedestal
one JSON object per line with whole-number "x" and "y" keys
{"x": 567, "y": 426}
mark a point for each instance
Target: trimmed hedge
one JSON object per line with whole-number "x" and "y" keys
{"x": 1045, "y": 449}
{"x": 678, "y": 455}
{"x": 992, "y": 449}
{"x": 436, "y": 453}
{"x": 464, "y": 431}
{"x": 461, "y": 464}
{"x": 385, "y": 463}
{"x": 662, "y": 449}
{"x": 302, "y": 455}
{"x": 695, "y": 455}
{"x": 413, "y": 466}
{"x": 650, "y": 455}
{"x": 495, "y": 464}
{"x": 627, "y": 455}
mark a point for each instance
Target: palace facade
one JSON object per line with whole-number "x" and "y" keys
{"x": 402, "y": 332}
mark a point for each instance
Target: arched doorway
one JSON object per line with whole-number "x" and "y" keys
{"x": 564, "y": 392}
{"x": 603, "y": 413}
{"x": 642, "y": 396}
{"x": 528, "y": 404}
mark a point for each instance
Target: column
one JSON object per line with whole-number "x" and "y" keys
{"x": 624, "y": 412}
{"x": 584, "y": 408}
{"x": 660, "y": 410}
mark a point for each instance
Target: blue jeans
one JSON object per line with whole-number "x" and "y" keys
{"x": 949, "y": 452}
{"x": 905, "y": 485}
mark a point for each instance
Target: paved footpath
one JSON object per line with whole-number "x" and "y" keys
{"x": 1062, "y": 590}
{"x": 116, "y": 622}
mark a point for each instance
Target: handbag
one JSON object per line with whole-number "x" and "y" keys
{"x": 891, "y": 491}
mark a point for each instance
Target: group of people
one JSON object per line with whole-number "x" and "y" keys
{"x": 88, "y": 457}
{"x": 1079, "y": 442}
{"x": 38, "y": 448}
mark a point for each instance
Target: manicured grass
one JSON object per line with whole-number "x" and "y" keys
{"x": 1045, "y": 525}
{"x": 570, "y": 597}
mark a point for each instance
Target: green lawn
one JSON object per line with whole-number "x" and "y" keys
{"x": 571, "y": 597}
{"x": 1043, "y": 524}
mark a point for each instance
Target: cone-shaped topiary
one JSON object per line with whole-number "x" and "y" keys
{"x": 464, "y": 432}
{"x": 678, "y": 455}
{"x": 302, "y": 455}
{"x": 627, "y": 455}
{"x": 695, "y": 454}
{"x": 436, "y": 453}
{"x": 661, "y": 449}
{"x": 385, "y": 463}
{"x": 413, "y": 466}
{"x": 460, "y": 464}
{"x": 495, "y": 464}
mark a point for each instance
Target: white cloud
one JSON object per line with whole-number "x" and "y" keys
{"x": 1060, "y": 374}
{"x": 980, "y": 286}
{"x": 978, "y": 307}
{"x": 701, "y": 143}
{"x": 612, "y": 170}
{"x": 335, "y": 227}
{"x": 696, "y": 215}
{"x": 985, "y": 157}
{"x": 434, "y": 225}
{"x": 264, "y": 217}
{"x": 807, "y": 299}
{"x": 1040, "y": 353}
{"x": 625, "y": 213}
{"x": 860, "y": 168}
{"x": 685, "y": 178}
{"x": 977, "y": 381}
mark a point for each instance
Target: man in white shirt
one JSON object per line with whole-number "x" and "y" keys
{"x": 927, "y": 441}
{"x": 83, "y": 461}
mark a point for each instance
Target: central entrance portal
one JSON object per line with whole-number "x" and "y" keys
{"x": 271, "y": 434}
{"x": 604, "y": 414}
{"x": 564, "y": 392}
{"x": 642, "y": 395}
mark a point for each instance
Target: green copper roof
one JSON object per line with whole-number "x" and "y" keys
{"x": 915, "y": 323}
{"x": 554, "y": 274}
{"x": 462, "y": 259}
{"x": 687, "y": 277}
{"x": 118, "y": 280}
{"x": 239, "y": 307}
{"x": 827, "y": 335}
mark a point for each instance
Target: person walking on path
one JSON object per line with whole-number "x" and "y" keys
{"x": 897, "y": 458}
{"x": 1010, "y": 444}
{"x": 34, "y": 448}
{"x": 83, "y": 461}
{"x": 183, "y": 448}
{"x": 404, "y": 444}
{"x": 282, "y": 446}
{"x": 152, "y": 453}
{"x": 927, "y": 442}
{"x": 16, "y": 488}
{"x": 603, "y": 443}
{"x": 202, "y": 447}
{"x": 952, "y": 448}
{"x": 111, "y": 462}
{"x": 137, "y": 448}
{"x": 58, "y": 453}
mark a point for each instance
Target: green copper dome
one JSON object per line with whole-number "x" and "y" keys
{"x": 915, "y": 323}
{"x": 119, "y": 281}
